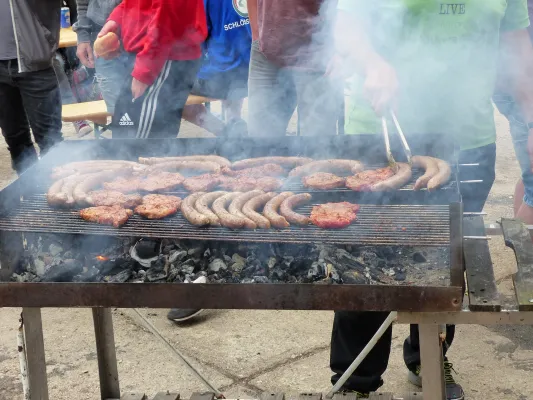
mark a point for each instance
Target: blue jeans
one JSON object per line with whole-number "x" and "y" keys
{"x": 519, "y": 134}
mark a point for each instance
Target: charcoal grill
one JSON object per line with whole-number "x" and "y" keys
{"x": 404, "y": 218}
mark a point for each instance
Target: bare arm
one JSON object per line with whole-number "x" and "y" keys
{"x": 252, "y": 15}
{"x": 517, "y": 53}
{"x": 357, "y": 55}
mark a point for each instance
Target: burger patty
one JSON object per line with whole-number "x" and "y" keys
{"x": 157, "y": 206}
{"x": 334, "y": 215}
{"x": 323, "y": 181}
{"x": 246, "y": 184}
{"x": 105, "y": 215}
{"x": 363, "y": 181}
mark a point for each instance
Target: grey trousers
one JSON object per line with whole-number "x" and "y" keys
{"x": 274, "y": 93}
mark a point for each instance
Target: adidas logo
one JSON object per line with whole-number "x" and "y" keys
{"x": 125, "y": 120}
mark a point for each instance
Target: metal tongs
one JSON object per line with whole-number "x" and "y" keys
{"x": 405, "y": 145}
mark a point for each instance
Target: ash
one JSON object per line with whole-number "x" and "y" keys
{"x": 53, "y": 258}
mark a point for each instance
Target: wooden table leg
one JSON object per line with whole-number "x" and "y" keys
{"x": 33, "y": 334}
{"x": 431, "y": 362}
{"x": 107, "y": 357}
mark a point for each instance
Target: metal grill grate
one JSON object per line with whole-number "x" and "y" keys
{"x": 421, "y": 225}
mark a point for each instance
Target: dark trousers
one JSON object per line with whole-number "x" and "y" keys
{"x": 157, "y": 113}
{"x": 29, "y": 99}
{"x": 353, "y": 330}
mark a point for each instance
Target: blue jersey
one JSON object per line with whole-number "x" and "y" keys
{"x": 229, "y": 37}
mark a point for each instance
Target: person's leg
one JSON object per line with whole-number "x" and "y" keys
{"x": 67, "y": 96}
{"x": 198, "y": 114}
{"x": 13, "y": 121}
{"x": 474, "y": 198}
{"x": 524, "y": 189}
{"x": 319, "y": 100}
{"x": 42, "y": 101}
{"x": 272, "y": 96}
{"x": 168, "y": 99}
{"x": 351, "y": 333}
{"x": 519, "y": 193}
{"x": 110, "y": 75}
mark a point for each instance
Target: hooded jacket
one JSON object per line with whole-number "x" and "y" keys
{"x": 36, "y": 25}
{"x": 89, "y": 12}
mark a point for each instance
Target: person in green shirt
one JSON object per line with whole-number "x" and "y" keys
{"x": 435, "y": 64}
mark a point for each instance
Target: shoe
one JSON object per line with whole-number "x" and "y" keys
{"x": 235, "y": 129}
{"x": 82, "y": 128}
{"x": 359, "y": 395}
{"x": 180, "y": 315}
{"x": 454, "y": 391}
{"x": 183, "y": 314}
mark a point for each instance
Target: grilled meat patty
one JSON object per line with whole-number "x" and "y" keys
{"x": 334, "y": 215}
{"x": 113, "y": 198}
{"x": 363, "y": 181}
{"x": 157, "y": 206}
{"x": 124, "y": 184}
{"x": 160, "y": 181}
{"x": 323, "y": 181}
{"x": 202, "y": 183}
{"x": 106, "y": 215}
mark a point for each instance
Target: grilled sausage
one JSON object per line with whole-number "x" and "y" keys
{"x": 204, "y": 202}
{"x": 286, "y": 162}
{"x": 238, "y": 203}
{"x": 91, "y": 181}
{"x": 227, "y": 219}
{"x": 442, "y": 177}
{"x": 250, "y": 207}
{"x": 223, "y": 162}
{"x": 188, "y": 166}
{"x": 54, "y": 196}
{"x": 189, "y": 211}
{"x": 271, "y": 210}
{"x": 429, "y": 164}
{"x": 333, "y": 166}
{"x": 400, "y": 178}
{"x": 286, "y": 208}
{"x": 94, "y": 166}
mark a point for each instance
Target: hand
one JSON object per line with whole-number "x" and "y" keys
{"x": 138, "y": 88}
{"x": 381, "y": 86}
{"x": 85, "y": 54}
{"x": 110, "y": 26}
{"x": 338, "y": 68}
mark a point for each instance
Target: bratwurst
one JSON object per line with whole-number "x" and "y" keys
{"x": 401, "y": 177}
{"x": 223, "y": 162}
{"x": 429, "y": 164}
{"x": 227, "y": 219}
{"x": 190, "y": 213}
{"x": 204, "y": 202}
{"x": 271, "y": 210}
{"x": 286, "y": 208}
{"x": 237, "y": 204}
{"x": 442, "y": 177}
{"x": 285, "y": 162}
{"x": 250, "y": 209}
{"x": 333, "y": 166}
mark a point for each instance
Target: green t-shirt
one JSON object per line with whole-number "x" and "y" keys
{"x": 445, "y": 56}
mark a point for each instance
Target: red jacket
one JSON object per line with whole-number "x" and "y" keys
{"x": 160, "y": 30}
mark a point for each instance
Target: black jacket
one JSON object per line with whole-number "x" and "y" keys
{"x": 36, "y": 24}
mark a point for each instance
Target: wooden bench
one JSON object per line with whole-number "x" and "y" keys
{"x": 67, "y": 38}
{"x": 96, "y": 112}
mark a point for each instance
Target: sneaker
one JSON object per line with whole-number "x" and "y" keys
{"x": 454, "y": 391}
{"x": 82, "y": 128}
{"x": 180, "y": 315}
{"x": 358, "y": 395}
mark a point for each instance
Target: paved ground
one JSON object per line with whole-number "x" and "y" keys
{"x": 245, "y": 352}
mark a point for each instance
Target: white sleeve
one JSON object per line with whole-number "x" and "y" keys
{"x": 347, "y": 5}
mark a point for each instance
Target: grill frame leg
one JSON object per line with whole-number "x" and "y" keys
{"x": 36, "y": 360}
{"x": 432, "y": 362}
{"x": 106, "y": 353}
